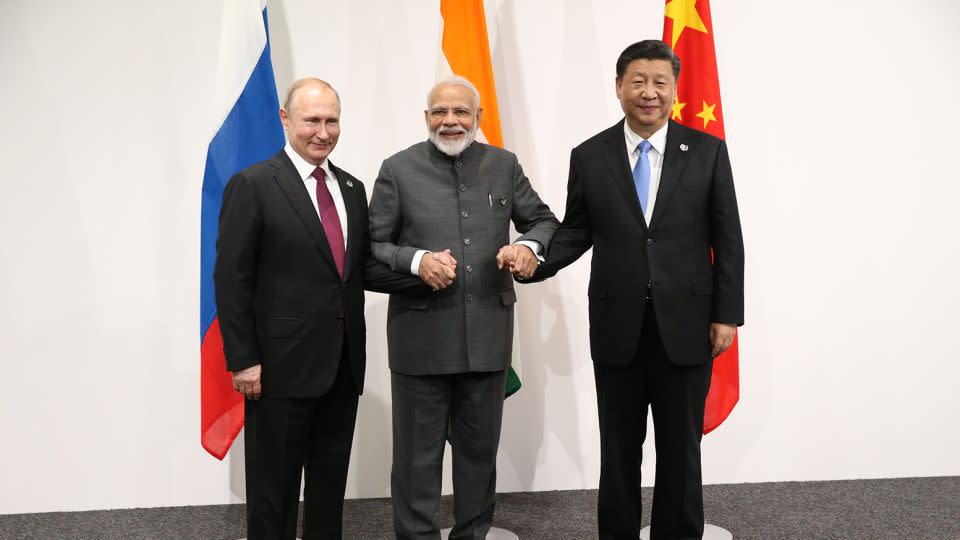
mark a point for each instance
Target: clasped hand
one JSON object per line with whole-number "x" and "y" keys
{"x": 519, "y": 259}
{"x": 438, "y": 269}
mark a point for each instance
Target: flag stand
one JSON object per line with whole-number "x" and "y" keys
{"x": 710, "y": 532}
{"x": 494, "y": 534}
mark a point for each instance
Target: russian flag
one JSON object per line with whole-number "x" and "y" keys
{"x": 248, "y": 131}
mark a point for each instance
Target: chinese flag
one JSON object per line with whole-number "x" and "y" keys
{"x": 688, "y": 28}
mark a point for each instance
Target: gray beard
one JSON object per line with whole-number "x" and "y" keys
{"x": 453, "y": 148}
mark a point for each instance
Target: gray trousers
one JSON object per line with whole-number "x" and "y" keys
{"x": 471, "y": 404}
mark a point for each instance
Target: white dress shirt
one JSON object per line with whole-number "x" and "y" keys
{"x": 306, "y": 174}
{"x": 659, "y": 142}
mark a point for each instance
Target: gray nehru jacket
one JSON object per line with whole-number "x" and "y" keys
{"x": 425, "y": 199}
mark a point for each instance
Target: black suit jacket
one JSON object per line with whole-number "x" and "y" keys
{"x": 280, "y": 300}
{"x": 695, "y": 211}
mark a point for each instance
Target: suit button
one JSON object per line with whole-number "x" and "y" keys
{"x": 339, "y": 317}
{"x": 464, "y": 213}
{"x": 466, "y": 241}
{"x": 469, "y": 268}
{"x": 469, "y": 298}
{"x": 463, "y": 187}
{"x": 649, "y": 241}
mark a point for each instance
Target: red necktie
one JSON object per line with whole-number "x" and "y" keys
{"x": 330, "y": 219}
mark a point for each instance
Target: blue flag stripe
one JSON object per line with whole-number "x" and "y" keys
{"x": 250, "y": 133}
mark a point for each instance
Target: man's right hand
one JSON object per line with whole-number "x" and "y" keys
{"x": 247, "y": 381}
{"x": 438, "y": 270}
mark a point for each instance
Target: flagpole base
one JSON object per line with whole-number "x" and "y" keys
{"x": 710, "y": 532}
{"x": 493, "y": 534}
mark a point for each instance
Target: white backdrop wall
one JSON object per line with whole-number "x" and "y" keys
{"x": 840, "y": 118}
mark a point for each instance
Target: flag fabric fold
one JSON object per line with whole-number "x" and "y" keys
{"x": 249, "y": 131}
{"x": 688, "y": 28}
{"x": 465, "y": 52}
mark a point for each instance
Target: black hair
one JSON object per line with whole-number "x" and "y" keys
{"x": 648, "y": 49}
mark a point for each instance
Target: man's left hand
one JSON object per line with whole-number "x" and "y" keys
{"x": 519, "y": 259}
{"x": 721, "y": 336}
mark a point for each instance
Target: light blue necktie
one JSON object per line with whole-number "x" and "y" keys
{"x": 641, "y": 174}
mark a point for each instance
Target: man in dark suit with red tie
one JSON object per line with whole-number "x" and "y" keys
{"x": 656, "y": 202}
{"x": 292, "y": 263}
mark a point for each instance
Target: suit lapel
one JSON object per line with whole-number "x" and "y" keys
{"x": 615, "y": 155}
{"x": 675, "y": 160}
{"x": 354, "y": 214}
{"x": 293, "y": 187}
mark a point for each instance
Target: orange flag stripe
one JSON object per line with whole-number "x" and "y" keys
{"x": 467, "y": 51}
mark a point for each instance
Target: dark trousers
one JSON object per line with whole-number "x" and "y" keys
{"x": 676, "y": 395}
{"x": 285, "y": 437}
{"x": 471, "y": 404}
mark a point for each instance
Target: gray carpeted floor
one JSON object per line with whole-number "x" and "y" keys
{"x": 907, "y": 508}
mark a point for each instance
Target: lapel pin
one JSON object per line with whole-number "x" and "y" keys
{"x": 503, "y": 201}
{"x": 684, "y": 148}
{"x": 349, "y": 183}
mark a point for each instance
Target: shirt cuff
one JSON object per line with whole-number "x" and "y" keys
{"x": 534, "y": 246}
{"x": 415, "y": 264}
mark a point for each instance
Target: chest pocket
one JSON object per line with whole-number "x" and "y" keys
{"x": 500, "y": 202}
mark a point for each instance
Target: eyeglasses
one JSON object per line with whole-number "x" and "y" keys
{"x": 460, "y": 112}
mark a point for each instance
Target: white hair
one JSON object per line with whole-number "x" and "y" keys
{"x": 456, "y": 80}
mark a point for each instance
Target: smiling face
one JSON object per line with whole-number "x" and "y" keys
{"x": 452, "y": 118}
{"x": 646, "y": 93}
{"x": 312, "y": 122}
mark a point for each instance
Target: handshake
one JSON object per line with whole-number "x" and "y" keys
{"x": 439, "y": 269}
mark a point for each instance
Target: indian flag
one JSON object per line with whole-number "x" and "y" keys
{"x": 465, "y": 52}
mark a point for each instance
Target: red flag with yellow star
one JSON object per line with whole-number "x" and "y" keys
{"x": 688, "y": 28}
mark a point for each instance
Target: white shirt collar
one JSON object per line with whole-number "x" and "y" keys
{"x": 304, "y": 168}
{"x": 658, "y": 140}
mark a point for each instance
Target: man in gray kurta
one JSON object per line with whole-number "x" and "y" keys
{"x": 449, "y": 352}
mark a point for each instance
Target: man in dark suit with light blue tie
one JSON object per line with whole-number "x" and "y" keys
{"x": 656, "y": 202}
